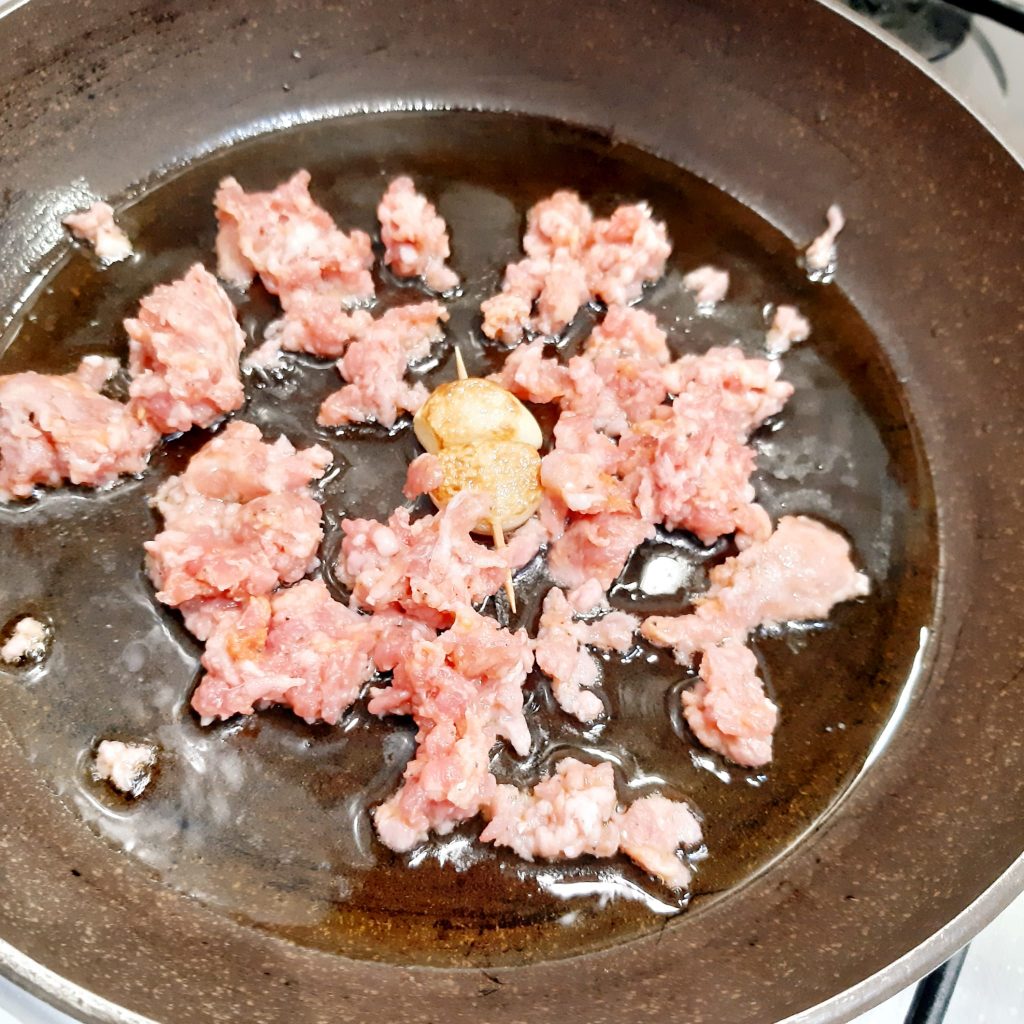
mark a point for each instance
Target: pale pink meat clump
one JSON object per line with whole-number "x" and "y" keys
{"x": 708, "y": 284}
{"x": 301, "y": 256}
{"x": 624, "y": 253}
{"x": 464, "y": 691}
{"x": 728, "y": 710}
{"x": 560, "y": 650}
{"x": 238, "y": 522}
{"x": 415, "y": 237}
{"x": 183, "y": 353}
{"x": 429, "y": 568}
{"x": 788, "y": 327}
{"x": 298, "y": 647}
{"x": 57, "y": 428}
{"x": 820, "y": 255}
{"x": 571, "y": 259}
{"x": 374, "y": 367}
{"x": 798, "y": 573}
{"x": 575, "y": 812}
{"x": 96, "y": 226}
{"x": 628, "y": 333}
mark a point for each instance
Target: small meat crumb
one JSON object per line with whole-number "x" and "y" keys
{"x": 787, "y": 328}
{"x": 820, "y": 255}
{"x": 126, "y": 766}
{"x": 708, "y": 284}
{"x": 27, "y": 642}
{"x": 415, "y": 236}
{"x": 96, "y": 226}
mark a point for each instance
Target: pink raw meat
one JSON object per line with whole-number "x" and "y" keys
{"x": 690, "y": 470}
{"x": 96, "y": 226}
{"x": 578, "y": 471}
{"x": 560, "y": 223}
{"x": 299, "y": 647}
{"x": 570, "y": 260}
{"x": 628, "y": 333}
{"x": 431, "y": 567}
{"x": 532, "y": 376}
{"x": 624, "y": 253}
{"x": 560, "y": 649}
{"x": 299, "y": 253}
{"x": 375, "y": 366}
{"x": 415, "y": 238}
{"x": 728, "y": 710}
{"x": 651, "y": 831}
{"x": 596, "y": 547}
{"x": 799, "y": 573}
{"x": 787, "y": 328}
{"x": 708, "y": 284}
{"x": 239, "y": 521}
{"x": 748, "y": 390}
{"x": 314, "y": 325}
{"x": 183, "y": 351}
{"x": 423, "y": 476}
{"x": 464, "y": 690}
{"x": 820, "y": 256}
{"x": 56, "y": 428}
{"x": 575, "y": 812}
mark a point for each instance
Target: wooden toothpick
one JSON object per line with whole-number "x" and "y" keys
{"x": 496, "y": 531}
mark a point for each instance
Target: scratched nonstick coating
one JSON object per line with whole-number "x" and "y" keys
{"x": 264, "y": 818}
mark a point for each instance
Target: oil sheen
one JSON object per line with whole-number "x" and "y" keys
{"x": 265, "y": 818}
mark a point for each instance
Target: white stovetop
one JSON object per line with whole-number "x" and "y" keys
{"x": 991, "y": 986}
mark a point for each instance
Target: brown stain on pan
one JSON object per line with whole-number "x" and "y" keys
{"x": 265, "y": 818}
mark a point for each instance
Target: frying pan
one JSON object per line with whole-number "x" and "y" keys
{"x": 785, "y": 106}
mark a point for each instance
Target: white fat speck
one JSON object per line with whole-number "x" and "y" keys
{"x": 27, "y": 642}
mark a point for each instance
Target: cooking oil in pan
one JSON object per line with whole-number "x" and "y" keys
{"x": 266, "y": 818}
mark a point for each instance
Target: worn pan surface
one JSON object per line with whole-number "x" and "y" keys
{"x": 896, "y": 842}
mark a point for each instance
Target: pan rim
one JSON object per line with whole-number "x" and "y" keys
{"x": 872, "y": 990}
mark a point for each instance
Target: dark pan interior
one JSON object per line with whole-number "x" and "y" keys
{"x": 266, "y": 818}
{"x": 785, "y": 110}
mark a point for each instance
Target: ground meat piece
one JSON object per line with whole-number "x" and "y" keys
{"x": 375, "y": 366}
{"x": 563, "y": 292}
{"x": 528, "y": 374}
{"x": 652, "y": 830}
{"x": 820, "y": 255}
{"x": 690, "y": 470}
{"x": 787, "y": 328}
{"x": 299, "y": 647}
{"x": 126, "y": 766}
{"x": 749, "y": 390}
{"x": 596, "y": 547}
{"x": 464, "y": 690}
{"x": 238, "y": 465}
{"x": 96, "y": 226}
{"x": 183, "y": 352}
{"x": 578, "y": 471}
{"x": 431, "y": 567}
{"x": 708, "y": 284}
{"x": 625, "y": 252}
{"x": 799, "y": 573}
{"x": 560, "y": 223}
{"x": 315, "y": 325}
{"x": 560, "y": 649}
{"x": 415, "y": 238}
{"x": 575, "y": 812}
{"x": 237, "y": 522}
{"x": 300, "y": 255}
{"x": 728, "y": 710}
{"x": 628, "y": 333}
{"x": 506, "y": 316}
{"x": 572, "y": 259}
{"x": 57, "y": 428}
{"x": 27, "y": 642}
{"x": 424, "y": 475}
